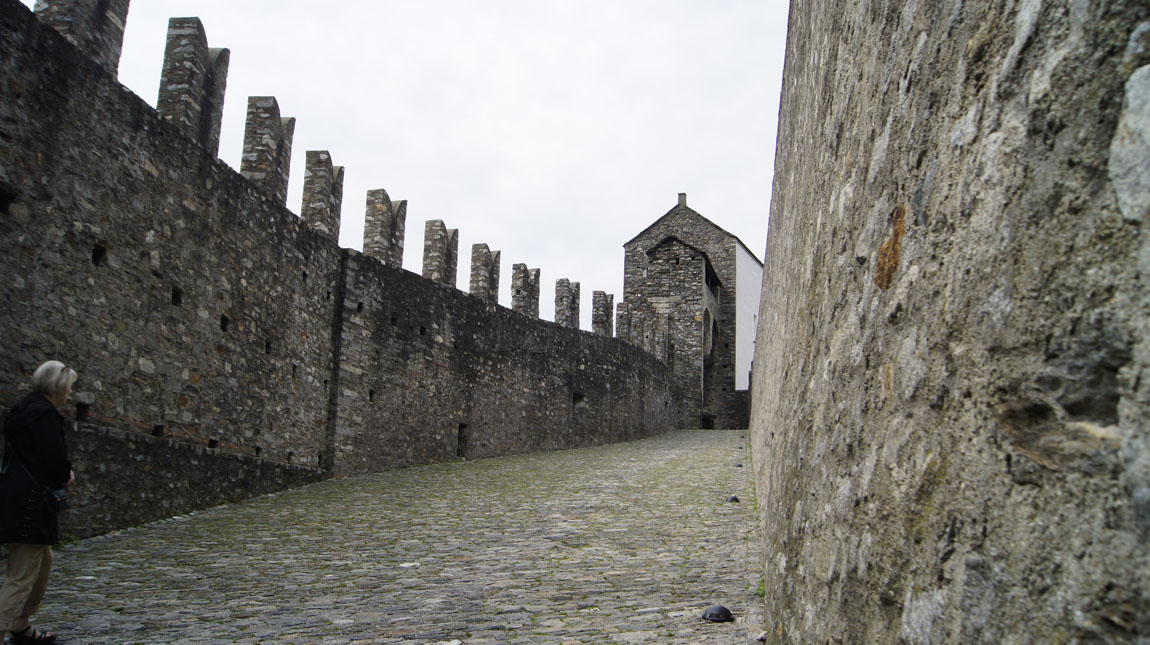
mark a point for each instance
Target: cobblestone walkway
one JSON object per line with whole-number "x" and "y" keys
{"x": 616, "y": 544}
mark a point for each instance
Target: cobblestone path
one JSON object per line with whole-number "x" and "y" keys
{"x": 616, "y": 544}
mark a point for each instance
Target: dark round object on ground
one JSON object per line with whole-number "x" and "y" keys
{"x": 718, "y": 614}
{"x": 732, "y": 498}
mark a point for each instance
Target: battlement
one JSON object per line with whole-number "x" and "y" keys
{"x": 485, "y": 273}
{"x": 267, "y": 147}
{"x": 383, "y": 228}
{"x": 322, "y": 194}
{"x": 193, "y": 82}
{"x": 602, "y": 308}
{"x": 95, "y": 27}
{"x": 440, "y": 252}
{"x": 525, "y": 290}
{"x": 191, "y": 96}
{"x": 201, "y": 312}
{"x": 567, "y": 303}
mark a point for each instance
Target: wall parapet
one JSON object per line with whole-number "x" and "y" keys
{"x": 193, "y": 82}
{"x": 602, "y": 308}
{"x": 567, "y": 303}
{"x": 224, "y": 338}
{"x": 383, "y": 229}
{"x": 485, "y": 273}
{"x": 267, "y": 147}
{"x": 440, "y": 252}
{"x": 322, "y": 194}
{"x": 96, "y": 27}
{"x": 525, "y": 290}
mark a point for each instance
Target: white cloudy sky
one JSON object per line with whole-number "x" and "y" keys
{"x": 552, "y": 130}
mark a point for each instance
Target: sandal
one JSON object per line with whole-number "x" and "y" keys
{"x": 36, "y": 636}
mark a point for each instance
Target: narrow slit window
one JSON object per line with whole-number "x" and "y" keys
{"x": 463, "y": 442}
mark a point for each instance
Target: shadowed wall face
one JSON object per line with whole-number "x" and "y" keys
{"x": 949, "y": 415}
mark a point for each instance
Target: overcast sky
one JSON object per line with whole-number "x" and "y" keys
{"x": 552, "y": 130}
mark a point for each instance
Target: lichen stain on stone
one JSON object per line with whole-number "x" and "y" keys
{"x": 933, "y": 476}
{"x": 889, "y": 253}
{"x": 887, "y": 380}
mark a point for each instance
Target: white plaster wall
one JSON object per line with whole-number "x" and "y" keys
{"x": 748, "y": 286}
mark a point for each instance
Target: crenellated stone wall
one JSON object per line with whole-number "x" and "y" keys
{"x": 477, "y": 381}
{"x": 951, "y": 387}
{"x": 227, "y": 347}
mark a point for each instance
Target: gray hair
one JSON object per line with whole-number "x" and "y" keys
{"x": 53, "y": 378}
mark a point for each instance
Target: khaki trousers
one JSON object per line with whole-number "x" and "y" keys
{"x": 24, "y": 586}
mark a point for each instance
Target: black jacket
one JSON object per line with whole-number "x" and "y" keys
{"x": 35, "y": 462}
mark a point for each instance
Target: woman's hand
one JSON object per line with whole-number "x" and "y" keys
{"x": 71, "y": 479}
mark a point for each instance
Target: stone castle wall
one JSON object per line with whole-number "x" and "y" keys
{"x": 721, "y": 403}
{"x": 950, "y": 388}
{"x": 125, "y": 257}
{"x": 477, "y": 379}
{"x": 218, "y": 335}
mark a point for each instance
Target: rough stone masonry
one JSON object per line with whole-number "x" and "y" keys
{"x": 952, "y": 380}
{"x": 228, "y": 347}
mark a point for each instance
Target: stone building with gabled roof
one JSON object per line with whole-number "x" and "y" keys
{"x": 691, "y": 297}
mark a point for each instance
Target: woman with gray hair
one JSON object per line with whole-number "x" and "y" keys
{"x": 35, "y": 463}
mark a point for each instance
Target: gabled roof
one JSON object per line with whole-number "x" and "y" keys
{"x": 683, "y": 208}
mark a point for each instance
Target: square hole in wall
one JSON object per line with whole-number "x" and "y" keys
{"x": 99, "y": 255}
